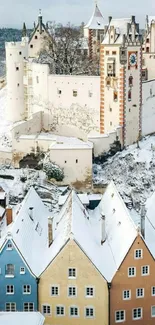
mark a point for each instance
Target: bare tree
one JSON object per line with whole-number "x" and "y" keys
{"x": 67, "y": 52}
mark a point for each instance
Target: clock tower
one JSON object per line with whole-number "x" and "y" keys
{"x": 121, "y": 84}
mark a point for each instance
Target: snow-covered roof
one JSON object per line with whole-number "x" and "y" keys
{"x": 84, "y": 227}
{"x": 30, "y": 229}
{"x": 97, "y": 20}
{"x": 70, "y": 143}
{"x": 83, "y": 198}
{"x": 24, "y": 318}
{"x": 120, "y": 26}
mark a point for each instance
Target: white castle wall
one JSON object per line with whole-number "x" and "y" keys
{"x": 148, "y": 108}
{"x": 15, "y": 55}
{"x": 53, "y": 95}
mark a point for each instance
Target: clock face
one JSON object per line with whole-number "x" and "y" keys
{"x": 133, "y": 59}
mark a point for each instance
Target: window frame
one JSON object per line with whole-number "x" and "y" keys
{"x": 8, "y": 286}
{"x": 137, "y": 250}
{"x": 28, "y": 303}
{"x": 141, "y": 296}
{"x": 72, "y": 277}
{"x": 74, "y": 316}
{"x": 59, "y": 306}
{"x": 72, "y": 287}
{"x": 9, "y": 248}
{"x": 89, "y": 287}
{"x": 141, "y": 313}
{"x": 54, "y": 286}
{"x": 120, "y": 320}
{"x": 152, "y": 291}
{"x": 10, "y": 303}
{"x": 85, "y": 312}
{"x": 47, "y": 306}
{"x": 22, "y": 272}
{"x": 154, "y": 311}
{"x": 26, "y": 293}
{"x": 129, "y": 294}
{"x": 132, "y": 276}
{"x": 145, "y": 274}
{"x": 75, "y": 93}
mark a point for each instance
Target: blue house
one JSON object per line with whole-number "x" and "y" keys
{"x": 22, "y": 247}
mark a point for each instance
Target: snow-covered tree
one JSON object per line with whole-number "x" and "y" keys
{"x": 67, "y": 52}
{"x": 53, "y": 171}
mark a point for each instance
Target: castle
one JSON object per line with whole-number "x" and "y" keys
{"x": 98, "y": 109}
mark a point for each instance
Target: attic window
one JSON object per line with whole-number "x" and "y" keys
{"x": 9, "y": 246}
{"x": 22, "y": 270}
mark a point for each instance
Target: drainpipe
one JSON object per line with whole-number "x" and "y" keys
{"x": 37, "y": 281}
{"x": 109, "y": 287}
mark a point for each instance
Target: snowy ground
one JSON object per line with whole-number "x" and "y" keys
{"x": 133, "y": 172}
{"x": 5, "y": 126}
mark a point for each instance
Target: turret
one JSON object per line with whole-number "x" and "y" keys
{"x": 40, "y": 21}
{"x": 24, "y": 31}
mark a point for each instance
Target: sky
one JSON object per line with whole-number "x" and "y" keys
{"x": 14, "y": 12}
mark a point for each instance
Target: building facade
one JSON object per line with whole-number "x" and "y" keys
{"x": 148, "y": 71}
{"x": 121, "y": 83}
{"x": 18, "y": 286}
{"x": 134, "y": 287}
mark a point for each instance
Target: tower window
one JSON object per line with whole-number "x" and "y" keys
{"x": 130, "y": 81}
{"x": 129, "y": 96}
{"x": 115, "y": 96}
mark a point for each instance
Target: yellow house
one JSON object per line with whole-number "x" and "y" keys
{"x": 71, "y": 289}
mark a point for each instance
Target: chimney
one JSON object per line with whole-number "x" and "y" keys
{"x": 31, "y": 213}
{"x": 9, "y": 217}
{"x": 50, "y": 231}
{"x": 102, "y": 229}
{"x": 143, "y": 212}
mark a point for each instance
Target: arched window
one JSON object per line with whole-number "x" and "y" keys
{"x": 129, "y": 96}
{"x": 130, "y": 81}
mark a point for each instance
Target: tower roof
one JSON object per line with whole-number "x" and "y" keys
{"x": 97, "y": 20}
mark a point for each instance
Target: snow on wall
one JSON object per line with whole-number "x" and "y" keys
{"x": 31, "y": 126}
{"x": 148, "y": 107}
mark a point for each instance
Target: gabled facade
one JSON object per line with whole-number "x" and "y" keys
{"x": 148, "y": 71}
{"x": 39, "y": 38}
{"x": 132, "y": 292}
{"x": 121, "y": 86}
{"x": 18, "y": 286}
{"x": 72, "y": 291}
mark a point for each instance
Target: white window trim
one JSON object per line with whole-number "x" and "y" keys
{"x": 26, "y": 293}
{"x": 138, "y": 258}
{"x": 131, "y": 276}
{"x": 140, "y": 296}
{"x": 10, "y": 293}
{"x": 22, "y": 272}
{"x": 54, "y": 285}
{"x": 73, "y": 296}
{"x": 9, "y": 248}
{"x": 152, "y": 291}
{"x": 129, "y": 294}
{"x": 28, "y": 302}
{"x": 10, "y": 305}
{"x": 89, "y": 317}
{"x": 121, "y": 320}
{"x": 72, "y": 277}
{"x": 59, "y": 315}
{"x": 87, "y": 296}
{"x": 151, "y": 312}
{"x": 47, "y": 314}
{"x": 74, "y": 316}
{"x": 141, "y": 313}
{"x": 145, "y": 274}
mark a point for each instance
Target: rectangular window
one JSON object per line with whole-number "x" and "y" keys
{"x": 17, "y": 68}
{"x": 60, "y": 310}
{"x": 46, "y": 310}
{"x": 126, "y": 294}
{"x": 10, "y": 306}
{"x": 9, "y": 270}
{"x": 28, "y": 306}
{"x": 145, "y": 270}
{"x": 140, "y": 293}
{"x": 59, "y": 92}
{"x": 72, "y": 273}
{"x": 89, "y": 312}
{"x": 113, "y": 52}
{"x": 76, "y": 161}
{"x": 26, "y": 289}
{"x": 119, "y": 316}
{"x": 9, "y": 246}
{"x": 74, "y": 311}
{"x": 153, "y": 311}
{"x": 10, "y": 289}
{"x": 72, "y": 291}
{"x": 107, "y": 52}
{"x": 54, "y": 291}
{"x": 138, "y": 253}
{"x": 153, "y": 291}
{"x": 20, "y": 53}
{"x": 131, "y": 271}
{"x": 74, "y": 93}
{"x": 22, "y": 270}
{"x": 115, "y": 95}
{"x": 137, "y": 313}
{"x": 89, "y": 291}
